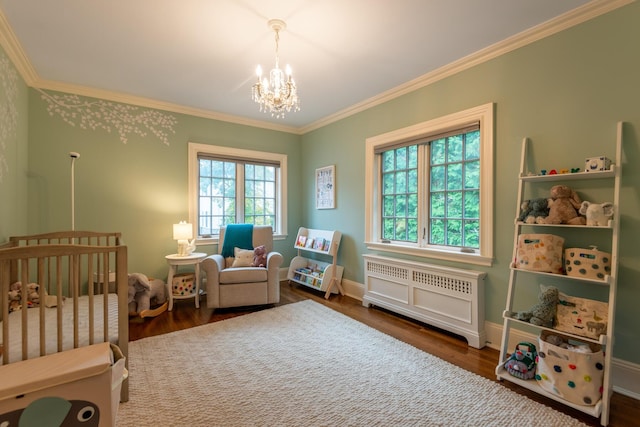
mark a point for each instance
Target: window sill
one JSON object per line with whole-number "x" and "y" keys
{"x": 456, "y": 256}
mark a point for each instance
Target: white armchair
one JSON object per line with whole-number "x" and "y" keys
{"x": 229, "y": 286}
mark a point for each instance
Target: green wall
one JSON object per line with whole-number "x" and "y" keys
{"x": 565, "y": 92}
{"x": 13, "y": 150}
{"x": 140, "y": 187}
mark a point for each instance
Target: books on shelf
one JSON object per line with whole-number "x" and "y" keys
{"x": 309, "y": 243}
{"x": 301, "y": 241}
{"x": 318, "y": 244}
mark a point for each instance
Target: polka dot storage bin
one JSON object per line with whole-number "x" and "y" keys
{"x": 574, "y": 373}
{"x": 183, "y": 284}
{"x": 587, "y": 263}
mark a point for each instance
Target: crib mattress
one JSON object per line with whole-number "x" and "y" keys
{"x": 14, "y": 320}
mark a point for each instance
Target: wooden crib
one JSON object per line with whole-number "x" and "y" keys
{"x": 72, "y": 291}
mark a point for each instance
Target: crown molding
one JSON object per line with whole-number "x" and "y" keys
{"x": 11, "y": 46}
{"x": 577, "y": 16}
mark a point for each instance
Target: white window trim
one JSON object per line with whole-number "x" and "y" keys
{"x": 193, "y": 168}
{"x": 483, "y": 114}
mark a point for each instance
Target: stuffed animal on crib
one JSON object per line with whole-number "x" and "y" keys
{"x": 544, "y": 312}
{"x": 259, "y": 257}
{"x": 563, "y": 207}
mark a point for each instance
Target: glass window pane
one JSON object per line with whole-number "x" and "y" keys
{"x": 437, "y": 232}
{"x": 401, "y": 205}
{"x": 438, "y": 178}
{"x": 438, "y": 151}
{"x": 413, "y": 157}
{"x": 401, "y": 158}
{"x": 454, "y": 204}
{"x": 388, "y": 229}
{"x": 471, "y": 234}
{"x": 472, "y": 204}
{"x": 437, "y": 205}
{"x": 388, "y": 161}
{"x": 401, "y": 229}
{"x": 388, "y": 206}
{"x": 455, "y": 148}
{"x": 472, "y": 174}
{"x": 387, "y": 183}
{"x": 401, "y": 182}
{"x": 454, "y": 176}
{"x": 454, "y": 232}
{"x": 472, "y": 145}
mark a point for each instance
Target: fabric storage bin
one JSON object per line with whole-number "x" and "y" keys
{"x": 73, "y": 387}
{"x": 540, "y": 252}
{"x": 587, "y": 263}
{"x": 581, "y": 316}
{"x": 574, "y": 373}
{"x": 184, "y": 284}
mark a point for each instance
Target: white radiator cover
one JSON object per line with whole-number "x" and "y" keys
{"x": 448, "y": 298}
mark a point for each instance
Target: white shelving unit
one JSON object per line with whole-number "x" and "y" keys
{"x": 610, "y": 181}
{"x": 318, "y": 274}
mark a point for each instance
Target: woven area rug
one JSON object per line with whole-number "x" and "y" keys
{"x": 304, "y": 364}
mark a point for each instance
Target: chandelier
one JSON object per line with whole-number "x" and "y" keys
{"x": 278, "y": 94}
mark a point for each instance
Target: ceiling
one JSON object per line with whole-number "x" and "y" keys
{"x": 200, "y": 56}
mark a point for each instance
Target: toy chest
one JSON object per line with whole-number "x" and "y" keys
{"x": 540, "y": 252}
{"x": 184, "y": 284}
{"x": 587, "y": 263}
{"x": 574, "y": 375}
{"x": 74, "y": 387}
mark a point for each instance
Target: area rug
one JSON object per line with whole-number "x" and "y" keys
{"x": 304, "y": 364}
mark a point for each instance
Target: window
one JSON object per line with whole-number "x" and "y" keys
{"x": 429, "y": 188}
{"x": 229, "y": 186}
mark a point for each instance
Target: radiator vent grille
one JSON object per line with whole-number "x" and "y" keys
{"x": 443, "y": 282}
{"x": 388, "y": 270}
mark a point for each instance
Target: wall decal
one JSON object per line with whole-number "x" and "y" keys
{"x": 127, "y": 120}
{"x": 8, "y": 109}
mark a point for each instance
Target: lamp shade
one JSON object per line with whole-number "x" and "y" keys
{"x": 182, "y": 231}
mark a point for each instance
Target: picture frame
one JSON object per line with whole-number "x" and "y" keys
{"x": 326, "y": 187}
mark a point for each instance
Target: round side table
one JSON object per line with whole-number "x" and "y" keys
{"x": 174, "y": 260}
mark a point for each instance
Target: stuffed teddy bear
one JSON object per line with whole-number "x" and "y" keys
{"x": 259, "y": 257}
{"x": 563, "y": 207}
{"x": 544, "y": 312}
{"x": 597, "y": 213}
{"x": 533, "y": 211}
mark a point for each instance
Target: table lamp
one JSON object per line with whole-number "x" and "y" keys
{"x": 183, "y": 232}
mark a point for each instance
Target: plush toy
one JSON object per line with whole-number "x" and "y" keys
{"x": 143, "y": 290}
{"x": 139, "y": 292}
{"x": 597, "y": 213}
{"x": 522, "y": 362}
{"x": 544, "y": 312}
{"x": 14, "y": 300}
{"x": 534, "y": 211}
{"x": 563, "y": 207}
{"x": 259, "y": 257}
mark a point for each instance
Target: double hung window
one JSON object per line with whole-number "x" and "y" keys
{"x": 430, "y": 188}
{"x": 230, "y": 186}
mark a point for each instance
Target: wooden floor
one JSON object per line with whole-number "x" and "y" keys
{"x": 625, "y": 411}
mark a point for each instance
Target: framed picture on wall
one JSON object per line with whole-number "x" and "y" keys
{"x": 326, "y": 187}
